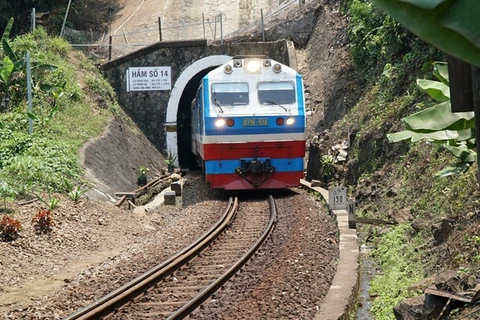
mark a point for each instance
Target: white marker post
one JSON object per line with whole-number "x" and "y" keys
{"x": 337, "y": 198}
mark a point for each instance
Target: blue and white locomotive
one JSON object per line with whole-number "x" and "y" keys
{"x": 248, "y": 125}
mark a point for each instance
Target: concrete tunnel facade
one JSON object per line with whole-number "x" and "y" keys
{"x": 164, "y": 115}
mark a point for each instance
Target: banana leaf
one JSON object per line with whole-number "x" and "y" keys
{"x": 441, "y": 136}
{"x": 6, "y": 69}
{"x": 462, "y": 153}
{"x": 8, "y": 28}
{"x": 439, "y": 117}
{"x": 440, "y": 70}
{"x": 457, "y": 168}
{"x": 435, "y": 89}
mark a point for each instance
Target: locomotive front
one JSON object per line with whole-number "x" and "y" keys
{"x": 249, "y": 125}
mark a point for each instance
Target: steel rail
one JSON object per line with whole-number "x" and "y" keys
{"x": 190, "y": 306}
{"x": 120, "y": 296}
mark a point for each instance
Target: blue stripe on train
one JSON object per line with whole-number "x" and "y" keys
{"x": 206, "y": 97}
{"x": 300, "y": 98}
{"x": 240, "y": 129}
{"x": 229, "y": 166}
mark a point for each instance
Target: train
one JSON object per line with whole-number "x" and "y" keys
{"x": 248, "y": 125}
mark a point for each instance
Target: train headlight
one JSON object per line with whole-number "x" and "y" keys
{"x": 253, "y": 66}
{"x": 280, "y": 121}
{"x": 277, "y": 68}
{"x": 228, "y": 69}
{"x": 290, "y": 121}
{"x": 219, "y": 123}
{"x": 267, "y": 63}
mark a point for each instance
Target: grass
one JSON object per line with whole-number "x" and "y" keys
{"x": 401, "y": 264}
{"x": 43, "y": 159}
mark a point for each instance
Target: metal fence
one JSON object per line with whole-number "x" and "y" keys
{"x": 105, "y": 46}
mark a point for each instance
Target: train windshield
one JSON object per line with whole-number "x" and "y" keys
{"x": 230, "y": 94}
{"x": 276, "y": 92}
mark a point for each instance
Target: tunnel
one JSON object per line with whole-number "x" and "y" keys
{"x": 186, "y": 159}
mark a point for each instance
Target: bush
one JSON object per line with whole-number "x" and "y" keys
{"x": 43, "y": 221}
{"x": 9, "y": 228}
{"x": 376, "y": 40}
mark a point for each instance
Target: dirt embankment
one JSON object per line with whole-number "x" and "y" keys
{"x": 111, "y": 162}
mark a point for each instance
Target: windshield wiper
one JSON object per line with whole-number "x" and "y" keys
{"x": 217, "y": 103}
{"x": 273, "y": 102}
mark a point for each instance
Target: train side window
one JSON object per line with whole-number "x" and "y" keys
{"x": 230, "y": 94}
{"x": 276, "y": 92}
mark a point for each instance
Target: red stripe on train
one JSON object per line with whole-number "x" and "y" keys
{"x": 278, "y": 180}
{"x": 279, "y": 149}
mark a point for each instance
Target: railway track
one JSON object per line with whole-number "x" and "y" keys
{"x": 177, "y": 286}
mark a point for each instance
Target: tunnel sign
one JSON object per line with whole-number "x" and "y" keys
{"x": 337, "y": 198}
{"x": 149, "y": 78}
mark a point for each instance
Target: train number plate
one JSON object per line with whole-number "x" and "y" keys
{"x": 258, "y": 122}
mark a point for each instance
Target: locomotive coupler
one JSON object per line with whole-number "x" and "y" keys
{"x": 255, "y": 166}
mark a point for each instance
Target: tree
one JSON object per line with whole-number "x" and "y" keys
{"x": 450, "y": 25}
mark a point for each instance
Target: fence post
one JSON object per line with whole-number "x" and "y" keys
{"x": 215, "y": 29}
{"x": 125, "y": 36}
{"x": 263, "y": 26}
{"x": 33, "y": 19}
{"x": 110, "y": 48}
{"x": 203, "y": 22}
{"x": 221, "y": 28}
{"x": 65, "y": 19}
{"x": 29, "y": 93}
{"x": 160, "y": 28}
{"x": 352, "y": 221}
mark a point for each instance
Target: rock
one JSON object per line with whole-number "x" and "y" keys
{"x": 421, "y": 285}
{"x": 392, "y": 192}
{"x": 442, "y": 230}
{"x": 402, "y": 216}
{"x": 342, "y": 156}
{"x": 139, "y": 210}
{"x": 419, "y": 224}
{"x": 448, "y": 281}
{"x": 175, "y": 176}
{"x": 148, "y": 227}
{"x": 420, "y": 307}
{"x": 315, "y": 183}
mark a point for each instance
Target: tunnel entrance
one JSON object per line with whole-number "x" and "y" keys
{"x": 186, "y": 159}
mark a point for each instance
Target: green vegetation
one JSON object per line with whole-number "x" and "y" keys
{"x": 380, "y": 45}
{"x": 389, "y": 59}
{"x": 62, "y": 82}
{"x": 437, "y": 124}
{"x": 451, "y": 26}
{"x": 401, "y": 265}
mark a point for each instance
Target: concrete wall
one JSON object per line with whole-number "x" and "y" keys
{"x": 155, "y": 112}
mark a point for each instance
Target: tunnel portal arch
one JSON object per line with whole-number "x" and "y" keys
{"x": 178, "y": 108}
